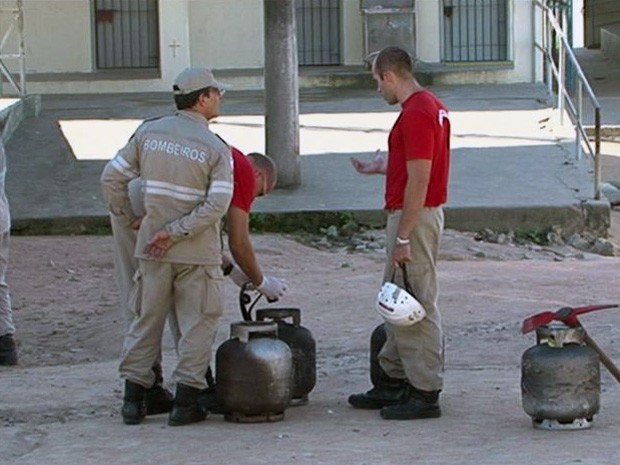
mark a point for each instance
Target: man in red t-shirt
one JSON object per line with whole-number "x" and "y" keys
{"x": 416, "y": 187}
{"x": 254, "y": 176}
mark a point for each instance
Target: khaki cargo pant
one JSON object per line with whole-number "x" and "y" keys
{"x": 193, "y": 292}
{"x": 416, "y": 352}
{"x": 125, "y": 264}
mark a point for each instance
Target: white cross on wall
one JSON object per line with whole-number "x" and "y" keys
{"x": 174, "y": 45}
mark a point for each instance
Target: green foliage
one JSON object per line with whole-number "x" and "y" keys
{"x": 298, "y": 222}
{"x": 537, "y": 236}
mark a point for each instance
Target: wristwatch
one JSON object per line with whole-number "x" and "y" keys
{"x": 228, "y": 269}
{"x": 401, "y": 241}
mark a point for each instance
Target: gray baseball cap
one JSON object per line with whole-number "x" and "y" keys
{"x": 193, "y": 79}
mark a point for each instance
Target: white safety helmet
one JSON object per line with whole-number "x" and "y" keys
{"x": 397, "y": 306}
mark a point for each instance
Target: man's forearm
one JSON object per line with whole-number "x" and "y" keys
{"x": 245, "y": 258}
{"x": 412, "y": 205}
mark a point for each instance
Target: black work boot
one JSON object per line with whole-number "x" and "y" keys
{"x": 186, "y": 408}
{"x": 390, "y": 391}
{"x": 208, "y": 397}
{"x": 417, "y": 405}
{"x": 8, "y": 350}
{"x": 134, "y": 409}
{"x": 158, "y": 399}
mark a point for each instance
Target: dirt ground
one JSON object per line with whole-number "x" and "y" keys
{"x": 66, "y": 301}
{"x": 65, "y": 298}
{"x": 61, "y": 404}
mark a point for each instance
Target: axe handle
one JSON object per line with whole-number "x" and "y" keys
{"x": 605, "y": 360}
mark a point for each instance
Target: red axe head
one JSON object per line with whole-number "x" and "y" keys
{"x": 567, "y": 315}
{"x": 533, "y": 322}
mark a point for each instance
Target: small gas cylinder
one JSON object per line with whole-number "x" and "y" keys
{"x": 377, "y": 340}
{"x": 302, "y": 345}
{"x": 254, "y": 373}
{"x": 560, "y": 379}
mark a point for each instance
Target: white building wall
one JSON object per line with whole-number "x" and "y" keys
{"x": 227, "y": 35}
{"x": 57, "y": 35}
{"x": 173, "y": 30}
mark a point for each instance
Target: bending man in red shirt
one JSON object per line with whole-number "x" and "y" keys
{"x": 254, "y": 176}
{"x": 416, "y": 187}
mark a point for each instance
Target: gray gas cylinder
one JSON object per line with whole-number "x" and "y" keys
{"x": 302, "y": 345}
{"x": 254, "y": 373}
{"x": 560, "y": 379}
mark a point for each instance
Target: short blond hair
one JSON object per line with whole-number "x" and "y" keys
{"x": 266, "y": 164}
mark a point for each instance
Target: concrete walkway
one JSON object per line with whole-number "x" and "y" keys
{"x": 513, "y": 165}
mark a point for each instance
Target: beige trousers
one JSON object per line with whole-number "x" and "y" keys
{"x": 194, "y": 294}
{"x": 416, "y": 352}
{"x": 6, "y": 311}
{"x": 125, "y": 264}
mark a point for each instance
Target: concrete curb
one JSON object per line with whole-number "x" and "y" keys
{"x": 589, "y": 216}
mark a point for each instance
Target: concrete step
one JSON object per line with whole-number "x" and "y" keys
{"x": 14, "y": 110}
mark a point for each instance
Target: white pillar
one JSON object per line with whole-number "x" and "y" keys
{"x": 174, "y": 40}
{"x": 429, "y": 16}
{"x": 578, "y": 19}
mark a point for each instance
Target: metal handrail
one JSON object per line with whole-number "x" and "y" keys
{"x": 574, "y": 110}
{"x": 18, "y": 23}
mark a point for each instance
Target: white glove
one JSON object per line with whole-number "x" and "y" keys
{"x": 238, "y": 276}
{"x": 272, "y": 288}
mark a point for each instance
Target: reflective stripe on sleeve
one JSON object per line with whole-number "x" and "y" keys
{"x": 221, "y": 187}
{"x": 121, "y": 165}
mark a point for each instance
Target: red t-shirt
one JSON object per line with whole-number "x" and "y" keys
{"x": 422, "y": 131}
{"x": 245, "y": 182}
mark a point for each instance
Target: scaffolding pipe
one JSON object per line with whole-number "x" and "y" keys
{"x": 17, "y": 26}
{"x": 22, "y": 49}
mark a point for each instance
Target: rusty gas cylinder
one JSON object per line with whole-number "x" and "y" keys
{"x": 560, "y": 379}
{"x": 302, "y": 345}
{"x": 254, "y": 373}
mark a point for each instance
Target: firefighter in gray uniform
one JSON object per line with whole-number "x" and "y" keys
{"x": 8, "y": 348}
{"x": 186, "y": 174}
